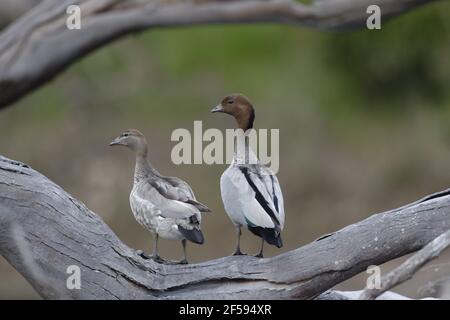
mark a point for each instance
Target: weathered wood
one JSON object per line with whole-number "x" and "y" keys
{"x": 10, "y": 10}
{"x": 408, "y": 268}
{"x": 436, "y": 287}
{"x": 354, "y": 295}
{"x": 38, "y": 46}
{"x": 43, "y": 230}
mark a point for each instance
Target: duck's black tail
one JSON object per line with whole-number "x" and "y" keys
{"x": 270, "y": 235}
{"x": 194, "y": 235}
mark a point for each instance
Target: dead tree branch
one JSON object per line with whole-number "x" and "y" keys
{"x": 407, "y": 269}
{"x": 10, "y": 10}
{"x": 355, "y": 295}
{"x": 39, "y": 46}
{"x": 56, "y": 231}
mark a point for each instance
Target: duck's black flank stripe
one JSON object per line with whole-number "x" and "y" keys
{"x": 275, "y": 199}
{"x": 259, "y": 197}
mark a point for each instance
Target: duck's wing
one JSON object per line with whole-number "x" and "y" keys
{"x": 180, "y": 190}
{"x": 274, "y": 191}
{"x": 266, "y": 193}
{"x": 152, "y": 196}
{"x": 252, "y": 197}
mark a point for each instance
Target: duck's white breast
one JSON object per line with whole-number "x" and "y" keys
{"x": 231, "y": 187}
{"x": 240, "y": 202}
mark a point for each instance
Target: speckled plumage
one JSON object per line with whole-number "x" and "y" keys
{"x": 161, "y": 206}
{"x": 165, "y": 206}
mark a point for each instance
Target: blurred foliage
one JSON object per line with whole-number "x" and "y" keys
{"x": 406, "y": 62}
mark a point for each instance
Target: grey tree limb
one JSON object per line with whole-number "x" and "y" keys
{"x": 43, "y": 230}
{"x": 10, "y": 10}
{"x": 408, "y": 268}
{"x": 39, "y": 46}
{"x": 355, "y": 295}
{"x": 437, "y": 287}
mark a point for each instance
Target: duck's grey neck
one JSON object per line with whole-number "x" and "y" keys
{"x": 243, "y": 154}
{"x": 143, "y": 169}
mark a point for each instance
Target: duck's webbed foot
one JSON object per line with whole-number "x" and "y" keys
{"x": 142, "y": 254}
{"x": 183, "y": 261}
{"x": 153, "y": 257}
{"x": 260, "y": 254}
{"x": 159, "y": 259}
{"x": 238, "y": 252}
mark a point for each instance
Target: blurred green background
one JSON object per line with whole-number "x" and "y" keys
{"x": 363, "y": 117}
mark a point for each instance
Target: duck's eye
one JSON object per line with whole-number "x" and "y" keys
{"x": 125, "y": 134}
{"x": 230, "y": 101}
